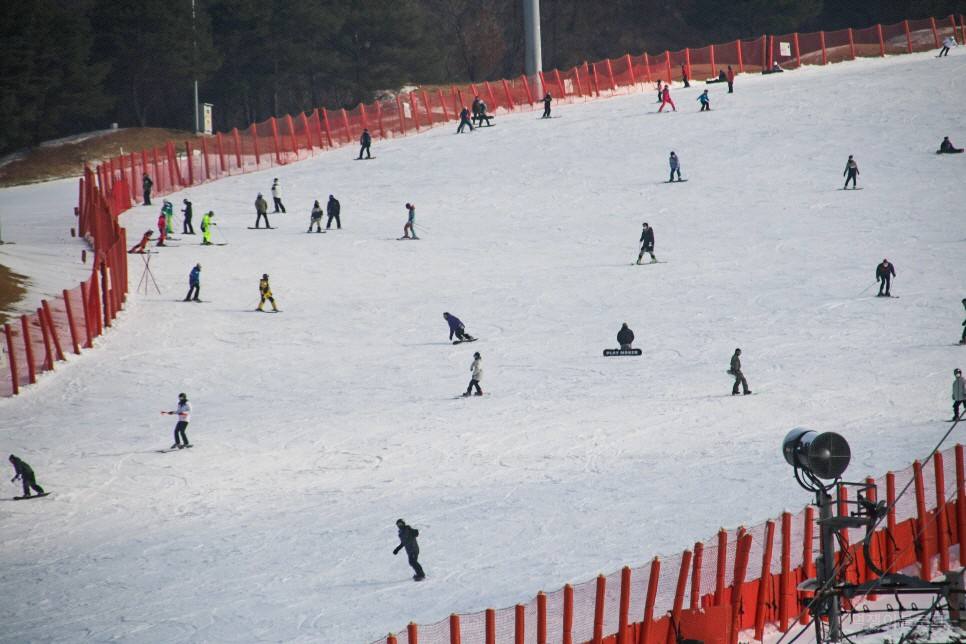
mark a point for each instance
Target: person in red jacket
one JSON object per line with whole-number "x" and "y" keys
{"x": 162, "y": 228}
{"x": 731, "y": 80}
{"x": 666, "y": 100}
{"x": 140, "y": 246}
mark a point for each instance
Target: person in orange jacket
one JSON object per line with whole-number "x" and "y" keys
{"x": 140, "y": 246}
{"x": 731, "y": 80}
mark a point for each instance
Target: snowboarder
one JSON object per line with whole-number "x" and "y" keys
{"x": 477, "y": 369}
{"x": 408, "y": 228}
{"x": 684, "y": 75}
{"x": 261, "y": 210}
{"x": 26, "y": 474}
{"x": 948, "y": 44}
{"x": 183, "y": 412}
{"x": 332, "y": 209}
{"x": 265, "y": 290}
{"x": 647, "y": 243}
{"x": 666, "y": 99}
{"x": 316, "y": 220}
{"x": 206, "y": 224}
{"x": 407, "y": 540}
{"x": 194, "y": 284}
{"x": 482, "y": 115}
{"x": 146, "y": 184}
{"x": 140, "y": 246}
{"x": 730, "y": 76}
{"x": 475, "y": 109}
{"x": 959, "y": 393}
{"x": 705, "y": 101}
{"x": 168, "y": 209}
{"x": 962, "y": 340}
{"x": 884, "y": 273}
{"x": 464, "y": 121}
{"x": 188, "y": 229}
{"x": 162, "y": 228}
{"x": 365, "y": 141}
{"x": 675, "y": 164}
{"x": 851, "y": 172}
{"x": 735, "y": 371}
{"x": 947, "y": 147}
{"x": 546, "y": 106}
{"x": 456, "y": 328}
{"x": 625, "y": 337}
{"x": 277, "y": 197}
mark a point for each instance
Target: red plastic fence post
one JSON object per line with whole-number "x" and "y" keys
{"x": 599, "y": 609}
{"x": 391, "y": 639}
{"x": 741, "y": 567}
{"x": 238, "y": 155}
{"x": 764, "y": 582}
{"x": 70, "y": 322}
{"x": 429, "y": 112}
{"x": 506, "y": 90}
{"x": 905, "y": 23}
{"x": 541, "y": 618}
{"x": 12, "y": 359}
{"x": 696, "y": 575}
{"x": 667, "y": 60}
{"x": 45, "y": 334}
{"x": 205, "y": 156}
{"x": 821, "y": 39}
{"x": 258, "y": 157}
{"x": 28, "y": 349}
{"x": 610, "y": 75}
{"x": 526, "y": 86}
{"x": 941, "y": 526}
{"x": 851, "y": 45}
{"x": 490, "y": 620}
{"x": 85, "y": 308}
{"x": 961, "y": 502}
{"x": 623, "y": 615}
{"x": 935, "y": 34}
{"x": 412, "y": 632}
{"x": 191, "y": 162}
{"x": 878, "y": 29}
{"x": 382, "y": 129}
{"x": 679, "y": 597}
{"x": 220, "y": 140}
{"x": 133, "y": 183}
{"x": 454, "y": 629}
{"x": 630, "y": 69}
{"x": 580, "y": 89}
{"x": 412, "y": 105}
{"x": 489, "y": 90}
{"x": 174, "y": 168}
{"x": 872, "y": 496}
{"x": 402, "y": 114}
{"x": 276, "y": 140}
{"x": 648, "y": 621}
{"x": 518, "y": 624}
{"x": 105, "y": 297}
{"x": 765, "y": 53}
{"x": 560, "y": 85}
{"x": 568, "y": 616}
{"x": 719, "y": 582}
{"x": 291, "y": 131}
{"x": 785, "y": 592}
{"x": 741, "y": 64}
{"x": 891, "y": 522}
{"x": 687, "y": 61}
{"x": 711, "y": 54}
{"x": 328, "y": 128}
{"x": 922, "y": 523}
{"x": 647, "y": 68}
{"x": 58, "y": 350}
{"x": 808, "y": 532}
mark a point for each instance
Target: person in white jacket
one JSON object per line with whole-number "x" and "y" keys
{"x": 277, "y": 196}
{"x": 183, "y": 413}
{"x": 959, "y": 393}
{"x": 477, "y": 369}
{"x": 948, "y": 44}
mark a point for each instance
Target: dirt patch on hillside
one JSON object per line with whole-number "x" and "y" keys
{"x": 67, "y": 158}
{"x": 12, "y": 289}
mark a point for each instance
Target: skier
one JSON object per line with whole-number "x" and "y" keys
{"x": 188, "y": 228}
{"x": 959, "y": 393}
{"x": 962, "y": 340}
{"x": 139, "y": 247}
{"x": 162, "y": 228}
{"x": 456, "y": 328}
{"x": 194, "y": 284}
{"x": 206, "y": 224}
{"x": 730, "y": 76}
{"x": 851, "y": 172}
{"x": 464, "y": 121}
{"x": 948, "y": 44}
{"x": 168, "y": 209}
{"x": 546, "y": 106}
{"x": 884, "y": 273}
{"x": 625, "y": 337}
{"x": 408, "y": 228}
{"x": 675, "y": 164}
{"x": 365, "y": 141}
{"x": 647, "y": 243}
{"x": 660, "y": 91}
{"x": 407, "y": 540}
{"x": 735, "y": 371}
{"x": 666, "y": 99}
{"x": 477, "y": 369}
{"x": 684, "y": 75}
{"x": 183, "y": 413}
{"x": 277, "y": 197}
{"x": 146, "y": 184}
{"x": 316, "y": 220}
{"x": 265, "y": 290}
{"x": 332, "y": 209}
{"x": 947, "y": 147}
{"x": 26, "y": 474}
{"x": 705, "y": 101}
{"x": 261, "y": 208}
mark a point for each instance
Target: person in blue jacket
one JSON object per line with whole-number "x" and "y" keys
{"x": 456, "y": 328}
{"x": 194, "y": 284}
{"x": 409, "y": 230}
{"x": 675, "y": 164}
{"x": 464, "y": 121}
{"x": 705, "y": 101}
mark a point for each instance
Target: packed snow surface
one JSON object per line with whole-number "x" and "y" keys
{"x": 316, "y": 428}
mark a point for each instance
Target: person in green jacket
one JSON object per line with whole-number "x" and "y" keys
{"x": 168, "y": 211}
{"x": 206, "y": 225}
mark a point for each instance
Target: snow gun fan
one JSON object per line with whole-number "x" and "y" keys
{"x": 816, "y": 456}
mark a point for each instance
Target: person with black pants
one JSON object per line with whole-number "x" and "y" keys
{"x": 884, "y": 273}
{"x": 188, "y": 229}
{"x": 962, "y": 340}
{"x": 146, "y": 184}
{"x": 25, "y": 473}
{"x": 407, "y": 540}
{"x": 851, "y": 172}
{"x": 735, "y": 371}
{"x": 647, "y": 243}
{"x": 183, "y": 413}
{"x": 332, "y": 209}
{"x": 365, "y": 142}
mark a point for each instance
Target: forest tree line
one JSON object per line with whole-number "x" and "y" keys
{"x": 69, "y": 66}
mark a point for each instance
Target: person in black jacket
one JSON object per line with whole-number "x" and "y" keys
{"x": 332, "y": 209}
{"x": 365, "y": 141}
{"x": 188, "y": 229}
{"x": 407, "y": 540}
{"x": 735, "y": 371}
{"x": 625, "y": 337}
{"x": 647, "y": 243}
{"x": 146, "y": 184}
{"x": 26, "y": 474}
{"x": 884, "y": 273}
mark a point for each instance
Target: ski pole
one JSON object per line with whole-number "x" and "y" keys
{"x": 869, "y": 286}
{"x": 220, "y": 234}
{"x": 422, "y": 227}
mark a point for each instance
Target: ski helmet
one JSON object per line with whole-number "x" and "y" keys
{"x": 264, "y": 276}
{"x": 477, "y": 355}
{"x": 183, "y": 396}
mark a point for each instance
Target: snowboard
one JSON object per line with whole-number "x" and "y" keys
{"x": 678, "y": 181}
{"x": 364, "y": 158}
{"x": 462, "y": 341}
{"x": 260, "y": 228}
{"x": 622, "y": 352}
{"x": 646, "y": 263}
{"x": 142, "y": 252}
{"x": 850, "y": 188}
{"x": 173, "y": 449}
{"x": 318, "y": 231}
{"x": 473, "y": 396}
{"x": 32, "y": 496}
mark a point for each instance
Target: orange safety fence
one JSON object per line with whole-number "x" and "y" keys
{"x": 741, "y": 580}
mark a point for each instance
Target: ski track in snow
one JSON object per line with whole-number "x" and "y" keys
{"x": 315, "y": 429}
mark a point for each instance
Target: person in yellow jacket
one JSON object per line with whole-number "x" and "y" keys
{"x": 206, "y": 224}
{"x": 265, "y": 289}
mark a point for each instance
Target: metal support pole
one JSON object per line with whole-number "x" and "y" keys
{"x": 533, "y": 57}
{"x": 829, "y": 604}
